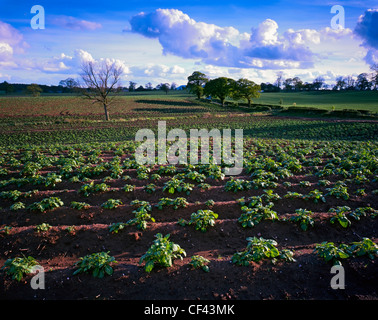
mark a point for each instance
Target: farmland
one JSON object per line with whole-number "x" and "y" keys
{"x": 70, "y": 187}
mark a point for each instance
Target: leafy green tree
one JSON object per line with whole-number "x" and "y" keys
{"x": 69, "y": 84}
{"x": 7, "y": 87}
{"x": 220, "y": 88}
{"x": 362, "y": 82}
{"x": 34, "y": 89}
{"x": 164, "y": 87}
{"x": 246, "y": 89}
{"x": 132, "y": 86}
{"x": 196, "y": 83}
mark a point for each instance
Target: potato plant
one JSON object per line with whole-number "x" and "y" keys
{"x": 260, "y": 248}
{"x": 18, "y": 267}
{"x": 202, "y": 220}
{"x": 97, "y": 264}
{"x": 161, "y": 253}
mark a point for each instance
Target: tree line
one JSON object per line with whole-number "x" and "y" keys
{"x": 362, "y": 82}
{"x": 71, "y": 85}
{"x": 101, "y": 84}
{"x": 222, "y": 87}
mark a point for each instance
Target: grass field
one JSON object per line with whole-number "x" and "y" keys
{"x": 138, "y": 101}
{"x": 366, "y": 100}
{"x": 52, "y": 119}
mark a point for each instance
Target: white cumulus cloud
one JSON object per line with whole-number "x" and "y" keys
{"x": 182, "y": 36}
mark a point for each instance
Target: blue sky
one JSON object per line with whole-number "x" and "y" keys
{"x": 165, "y": 41}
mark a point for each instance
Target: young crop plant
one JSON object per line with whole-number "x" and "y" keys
{"x": 340, "y": 190}
{"x": 204, "y": 186}
{"x": 18, "y": 267}
{"x": 202, "y": 219}
{"x": 213, "y": 171}
{"x": 168, "y": 169}
{"x": 116, "y": 171}
{"x": 112, "y": 204}
{"x": 363, "y": 212}
{"x": 199, "y": 262}
{"x": 101, "y": 187}
{"x": 315, "y": 195}
{"x": 43, "y": 227}
{"x": 142, "y": 176}
{"x": 17, "y": 206}
{"x": 364, "y": 247}
{"x": 71, "y": 230}
{"x": 116, "y": 227}
{"x": 164, "y": 202}
{"x": 13, "y": 195}
{"x": 5, "y": 230}
{"x": 304, "y": 218}
{"x": 293, "y": 195}
{"x": 340, "y": 216}
{"x": 141, "y": 204}
{"x": 328, "y": 251}
{"x": 251, "y": 202}
{"x": 263, "y": 183}
{"x": 260, "y": 248}
{"x": 141, "y": 214}
{"x": 80, "y": 205}
{"x": 150, "y": 188}
{"x": 98, "y": 264}
{"x": 31, "y": 169}
{"x": 195, "y": 176}
{"x": 87, "y": 189}
{"x": 269, "y": 196}
{"x": 361, "y": 192}
{"x": 52, "y": 179}
{"x": 155, "y": 176}
{"x": 324, "y": 183}
{"x": 235, "y": 185}
{"x": 179, "y": 202}
{"x": 210, "y": 203}
{"x": 252, "y": 216}
{"x": 161, "y": 253}
{"x": 129, "y": 188}
{"x": 46, "y": 204}
{"x": 177, "y": 185}
{"x": 305, "y": 183}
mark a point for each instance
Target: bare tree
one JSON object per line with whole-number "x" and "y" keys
{"x": 101, "y": 83}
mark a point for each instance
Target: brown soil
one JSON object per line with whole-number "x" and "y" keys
{"x": 308, "y": 278}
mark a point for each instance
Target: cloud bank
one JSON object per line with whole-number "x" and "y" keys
{"x": 11, "y": 42}
{"x": 263, "y": 48}
{"x": 72, "y": 23}
{"x": 367, "y": 30}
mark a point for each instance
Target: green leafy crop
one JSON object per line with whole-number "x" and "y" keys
{"x": 161, "y": 253}
{"x": 99, "y": 264}
{"x": 202, "y": 219}
{"x": 260, "y": 248}
{"x": 340, "y": 216}
{"x": 303, "y": 217}
{"x": 111, "y": 204}
{"x": 18, "y": 267}
{"x": 328, "y": 251}
{"x": 199, "y": 262}
{"x": 46, "y": 204}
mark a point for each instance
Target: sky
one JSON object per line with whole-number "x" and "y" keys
{"x": 166, "y": 41}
